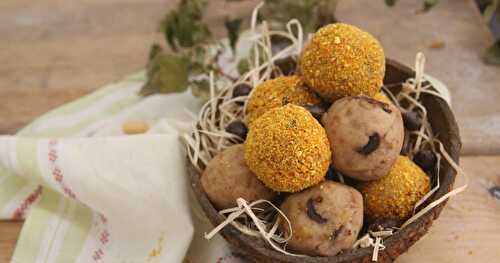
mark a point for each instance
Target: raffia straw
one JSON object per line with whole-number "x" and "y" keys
{"x": 410, "y": 93}
{"x": 376, "y": 248}
{"x": 269, "y": 236}
{"x": 209, "y": 137}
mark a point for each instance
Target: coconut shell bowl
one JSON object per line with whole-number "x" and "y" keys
{"x": 214, "y": 119}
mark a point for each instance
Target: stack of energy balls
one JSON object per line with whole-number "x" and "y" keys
{"x": 304, "y": 129}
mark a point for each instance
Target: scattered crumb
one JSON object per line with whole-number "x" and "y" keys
{"x": 437, "y": 44}
{"x": 135, "y": 127}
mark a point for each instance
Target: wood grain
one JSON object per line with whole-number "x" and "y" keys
{"x": 9, "y": 232}
{"x": 53, "y": 51}
{"x": 468, "y": 230}
{"x": 458, "y": 25}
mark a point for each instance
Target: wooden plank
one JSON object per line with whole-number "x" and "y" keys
{"x": 9, "y": 232}
{"x": 457, "y": 24}
{"x": 468, "y": 230}
{"x": 53, "y": 51}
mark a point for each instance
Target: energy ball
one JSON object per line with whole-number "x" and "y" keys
{"x": 288, "y": 149}
{"x": 382, "y": 97}
{"x": 394, "y": 196}
{"x": 342, "y": 60}
{"x": 276, "y": 93}
{"x": 366, "y": 136}
{"x": 325, "y": 219}
{"x": 227, "y": 177}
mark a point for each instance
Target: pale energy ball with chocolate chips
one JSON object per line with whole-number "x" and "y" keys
{"x": 325, "y": 219}
{"x": 366, "y": 136}
{"x": 227, "y": 177}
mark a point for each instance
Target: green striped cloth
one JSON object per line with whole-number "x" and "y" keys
{"x": 92, "y": 195}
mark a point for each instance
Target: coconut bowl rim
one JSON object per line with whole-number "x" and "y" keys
{"x": 256, "y": 250}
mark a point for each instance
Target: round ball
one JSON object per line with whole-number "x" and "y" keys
{"x": 278, "y": 92}
{"x": 287, "y": 149}
{"x": 366, "y": 136}
{"x": 342, "y": 60}
{"x": 227, "y": 178}
{"x": 325, "y": 219}
{"x": 382, "y": 97}
{"x": 394, "y": 196}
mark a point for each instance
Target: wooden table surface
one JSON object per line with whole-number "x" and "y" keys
{"x": 54, "y": 51}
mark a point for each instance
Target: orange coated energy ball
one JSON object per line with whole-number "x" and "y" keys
{"x": 342, "y": 60}
{"x": 382, "y": 97}
{"x": 278, "y": 92}
{"x": 394, "y": 196}
{"x": 287, "y": 149}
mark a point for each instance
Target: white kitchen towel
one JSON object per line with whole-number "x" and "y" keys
{"x": 107, "y": 197}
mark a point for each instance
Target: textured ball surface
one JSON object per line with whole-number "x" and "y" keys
{"x": 227, "y": 178}
{"x": 394, "y": 196}
{"x": 278, "y": 92}
{"x": 366, "y": 136}
{"x": 325, "y": 219}
{"x": 382, "y": 97}
{"x": 343, "y": 60}
{"x": 287, "y": 149}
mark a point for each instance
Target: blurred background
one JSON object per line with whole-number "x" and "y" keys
{"x": 55, "y": 51}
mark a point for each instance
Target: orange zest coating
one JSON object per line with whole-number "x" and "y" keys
{"x": 342, "y": 60}
{"x": 395, "y": 195}
{"x": 276, "y": 93}
{"x": 288, "y": 149}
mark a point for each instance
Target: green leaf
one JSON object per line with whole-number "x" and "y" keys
{"x": 201, "y": 89}
{"x": 491, "y": 9}
{"x": 184, "y": 27}
{"x": 429, "y": 4}
{"x": 492, "y": 55}
{"x": 390, "y": 3}
{"x": 243, "y": 66}
{"x": 233, "y": 27}
{"x": 166, "y": 73}
{"x": 168, "y": 26}
{"x": 155, "y": 50}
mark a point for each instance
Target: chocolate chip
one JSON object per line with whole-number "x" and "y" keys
{"x": 331, "y": 174}
{"x": 406, "y": 144}
{"x": 371, "y": 146}
{"x": 412, "y": 121}
{"x": 317, "y": 111}
{"x": 383, "y": 224}
{"x": 286, "y": 65}
{"x": 279, "y": 43}
{"x": 313, "y": 214}
{"x": 238, "y": 128}
{"x": 337, "y": 232}
{"x": 426, "y": 159}
{"x": 495, "y": 192}
{"x": 241, "y": 90}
